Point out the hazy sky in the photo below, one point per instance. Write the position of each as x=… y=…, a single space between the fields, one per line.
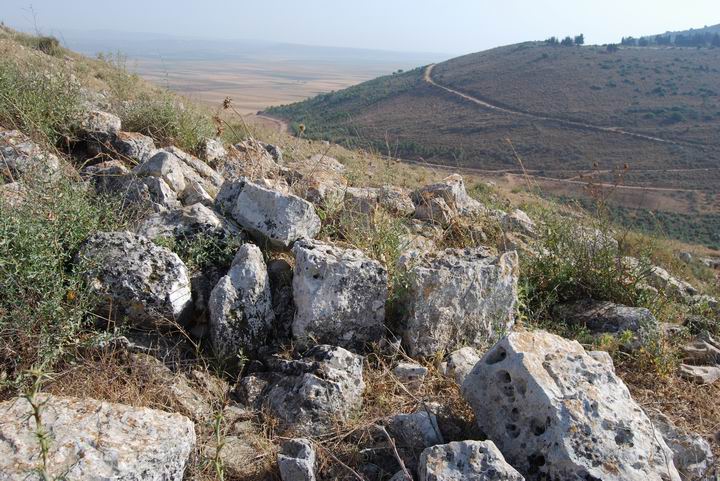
x=450 y=26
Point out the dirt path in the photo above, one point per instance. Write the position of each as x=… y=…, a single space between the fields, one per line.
x=281 y=125
x=569 y=123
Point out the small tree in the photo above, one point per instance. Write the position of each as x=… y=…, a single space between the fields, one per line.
x=552 y=41
x=612 y=48
x=643 y=42
x=580 y=39
x=567 y=42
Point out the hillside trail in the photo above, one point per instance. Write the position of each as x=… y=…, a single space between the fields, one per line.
x=427 y=77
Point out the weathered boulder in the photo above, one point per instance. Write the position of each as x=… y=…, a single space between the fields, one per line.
x=21 y=158
x=190 y=178
x=457 y=298
x=213 y=150
x=296 y=460
x=94 y=441
x=241 y=313
x=692 y=455
x=186 y=223
x=452 y=191
x=107 y=177
x=518 y=221
x=555 y=412
x=274 y=151
x=100 y=125
x=410 y=372
x=673 y=287
x=149 y=191
x=461 y=362
x=140 y=280
x=466 y=461
x=339 y=295
x=603 y=317
x=311 y=394
x=414 y=432
x=700 y=374
x=396 y=200
x=280 y=219
x=134 y=146
x=362 y=200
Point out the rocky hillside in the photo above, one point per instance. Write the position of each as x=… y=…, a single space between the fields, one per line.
x=193 y=299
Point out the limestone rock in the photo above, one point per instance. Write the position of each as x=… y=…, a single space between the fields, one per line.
x=452 y=191
x=94 y=441
x=241 y=314
x=362 y=200
x=396 y=200
x=100 y=125
x=673 y=287
x=603 y=317
x=133 y=145
x=311 y=394
x=700 y=374
x=296 y=460
x=21 y=158
x=466 y=461
x=518 y=221
x=248 y=159
x=414 y=432
x=410 y=372
x=692 y=455
x=278 y=218
x=702 y=351
x=107 y=177
x=339 y=294
x=457 y=298
x=461 y=363
x=186 y=223
x=213 y=150
x=140 y=280
x=557 y=413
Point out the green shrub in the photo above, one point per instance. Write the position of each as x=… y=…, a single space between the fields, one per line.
x=203 y=250
x=45 y=305
x=168 y=120
x=45 y=104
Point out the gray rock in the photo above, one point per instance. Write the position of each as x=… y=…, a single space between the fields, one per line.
x=466 y=461
x=461 y=362
x=94 y=441
x=692 y=455
x=410 y=372
x=557 y=413
x=108 y=177
x=277 y=218
x=362 y=200
x=311 y=395
x=152 y=191
x=416 y=431
x=186 y=223
x=702 y=351
x=457 y=298
x=134 y=146
x=140 y=280
x=435 y=210
x=339 y=294
x=274 y=151
x=700 y=374
x=21 y=158
x=396 y=200
x=603 y=317
x=281 y=277
x=100 y=125
x=213 y=150
x=241 y=314
x=452 y=191
x=248 y=159
x=296 y=460
x=518 y=221
x=671 y=286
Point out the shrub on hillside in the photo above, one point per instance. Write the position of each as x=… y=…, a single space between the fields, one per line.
x=45 y=104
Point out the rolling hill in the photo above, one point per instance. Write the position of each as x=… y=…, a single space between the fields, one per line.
x=647 y=119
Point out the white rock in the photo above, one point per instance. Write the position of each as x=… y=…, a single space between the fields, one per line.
x=21 y=158
x=700 y=374
x=324 y=388
x=557 y=413
x=692 y=455
x=415 y=431
x=452 y=191
x=466 y=461
x=339 y=294
x=139 y=279
x=98 y=123
x=94 y=441
x=186 y=223
x=409 y=372
x=396 y=200
x=134 y=146
x=461 y=362
x=241 y=313
x=280 y=219
x=457 y=298
x=213 y=150
x=296 y=460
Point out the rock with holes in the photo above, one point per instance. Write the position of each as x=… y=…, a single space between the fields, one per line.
x=280 y=219
x=21 y=158
x=187 y=223
x=451 y=191
x=466 y=461
x=555 y=412
x=296 y=460
x=241 y=311
x=339 y=294
x=140 y=281
x=692 y=455
x=134 y=146
x=603 y=317
x=94 y=441
x=314 y=393
x=457 y=298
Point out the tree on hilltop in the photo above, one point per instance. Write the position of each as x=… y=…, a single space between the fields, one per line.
x=567 y=42
x=552 y=41
x=580 y=39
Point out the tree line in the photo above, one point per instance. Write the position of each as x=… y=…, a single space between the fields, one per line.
x=701 y=39
x=567 y=41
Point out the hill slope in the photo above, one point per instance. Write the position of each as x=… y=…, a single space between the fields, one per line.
x=567 y=112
